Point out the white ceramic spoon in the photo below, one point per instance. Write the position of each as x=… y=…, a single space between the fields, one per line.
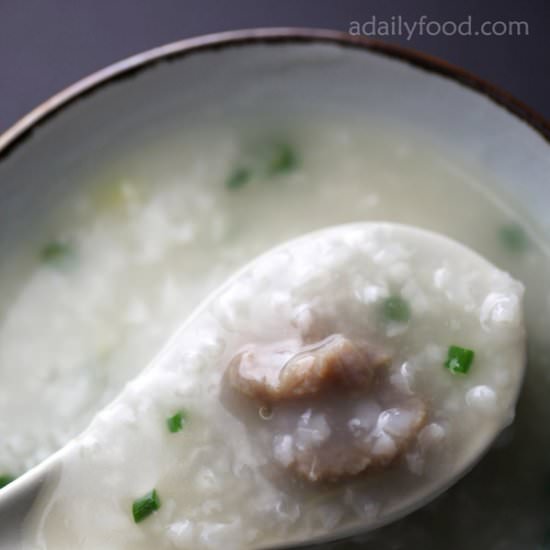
x=68 y=498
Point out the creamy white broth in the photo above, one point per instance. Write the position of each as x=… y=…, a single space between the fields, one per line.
x=177 y=231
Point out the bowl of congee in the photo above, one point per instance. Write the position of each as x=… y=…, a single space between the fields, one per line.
x=275 y=288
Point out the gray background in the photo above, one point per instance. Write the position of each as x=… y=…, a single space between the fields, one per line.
x=48 y=44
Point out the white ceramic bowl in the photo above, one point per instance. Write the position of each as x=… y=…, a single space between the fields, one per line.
x=247 y=72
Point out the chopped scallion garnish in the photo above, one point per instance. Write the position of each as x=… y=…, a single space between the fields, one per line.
x=396 y=309
x=175 y=422
x=271 y=159
x=283 y=159
x=143 y=507
x=514 y=237
x=6 y=479
x=56 y=252
x=239 y=177
x=459 y=360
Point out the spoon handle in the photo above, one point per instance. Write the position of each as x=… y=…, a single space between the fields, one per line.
x=17 y=499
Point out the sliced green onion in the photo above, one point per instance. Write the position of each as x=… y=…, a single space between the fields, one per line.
x=396 y=309
x=6 y=479
x=514 y=237
x=175 y=423
x=271 y=160
x=282 y=160
x=459 y=360
x=238 y=178
x=143 y=507
x=56 y=252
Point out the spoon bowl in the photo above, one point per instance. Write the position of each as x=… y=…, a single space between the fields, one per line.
x=404 y=302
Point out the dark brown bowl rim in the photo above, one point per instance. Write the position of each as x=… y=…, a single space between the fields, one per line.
x=23 y=129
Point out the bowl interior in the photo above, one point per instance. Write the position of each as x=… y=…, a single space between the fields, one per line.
x=259 y=81
x=248 y=80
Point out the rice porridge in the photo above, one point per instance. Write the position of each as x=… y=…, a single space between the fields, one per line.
x=129 y=256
